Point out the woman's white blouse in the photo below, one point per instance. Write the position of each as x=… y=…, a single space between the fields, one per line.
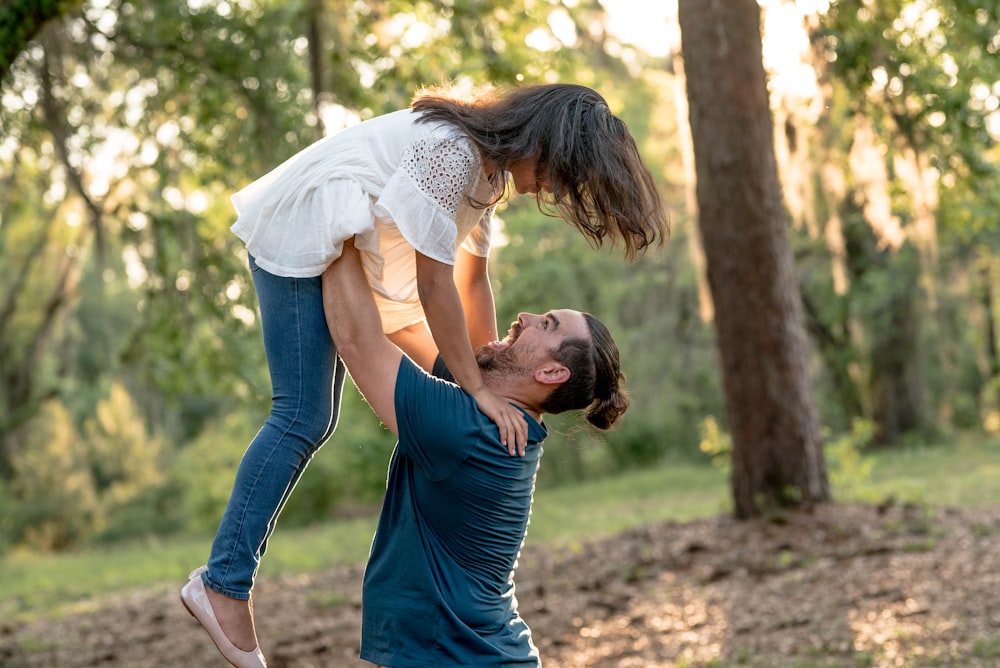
x=391 y=182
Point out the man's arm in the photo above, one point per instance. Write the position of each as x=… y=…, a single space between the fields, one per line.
x=356 y=329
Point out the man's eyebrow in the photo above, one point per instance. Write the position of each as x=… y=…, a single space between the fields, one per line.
x=555 y=320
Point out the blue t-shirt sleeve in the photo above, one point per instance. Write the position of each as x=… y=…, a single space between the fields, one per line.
x=438 y=422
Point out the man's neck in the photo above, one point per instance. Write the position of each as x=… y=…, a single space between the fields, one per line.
x=514 y=393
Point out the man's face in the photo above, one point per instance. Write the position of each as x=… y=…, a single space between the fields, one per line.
x=531 y=340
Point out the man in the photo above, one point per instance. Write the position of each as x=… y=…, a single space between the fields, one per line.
x=438 y=588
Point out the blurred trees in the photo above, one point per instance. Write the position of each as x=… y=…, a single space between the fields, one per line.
x=129 y=323
x=125 y=128
x=892 y=163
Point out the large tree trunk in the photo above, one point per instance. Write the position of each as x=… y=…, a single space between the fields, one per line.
x=777 y=452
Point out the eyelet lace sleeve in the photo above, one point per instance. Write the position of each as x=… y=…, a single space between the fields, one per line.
x=442 y=169
x=435 y=197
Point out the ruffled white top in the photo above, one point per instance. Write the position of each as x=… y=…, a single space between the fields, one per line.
x=392 y=183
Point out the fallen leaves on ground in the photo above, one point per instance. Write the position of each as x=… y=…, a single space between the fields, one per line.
x=840 y=586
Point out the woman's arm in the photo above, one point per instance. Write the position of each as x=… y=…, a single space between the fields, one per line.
x=473 y=282
x=446 y=318
x=415 y=340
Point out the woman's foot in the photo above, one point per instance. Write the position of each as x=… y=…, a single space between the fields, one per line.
x=237 y=615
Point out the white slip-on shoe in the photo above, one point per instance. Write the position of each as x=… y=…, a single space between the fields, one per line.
x=195 y=599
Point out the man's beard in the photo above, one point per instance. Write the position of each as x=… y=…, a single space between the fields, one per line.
x=505 y=363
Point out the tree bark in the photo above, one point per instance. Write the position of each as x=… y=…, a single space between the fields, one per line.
x=988 y=296
x=777 y=452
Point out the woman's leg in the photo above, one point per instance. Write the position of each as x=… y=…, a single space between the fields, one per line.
x=307 y=379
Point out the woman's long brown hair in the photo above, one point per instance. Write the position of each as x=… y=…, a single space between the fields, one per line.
x=598 y=180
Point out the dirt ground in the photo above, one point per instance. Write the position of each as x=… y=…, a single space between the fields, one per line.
x=840 y=586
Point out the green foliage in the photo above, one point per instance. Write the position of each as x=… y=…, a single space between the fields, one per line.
x=986 y=648
x=849 y=468
x=916 y=64
x=895 y=336
x=96 y=482
x=55 y=502
x=20 y=21
x=348 y=471
x=126 y=128
x=204 y=469
x=716 y=443
x=131 y=364
x=126 y=465
x=642 y=442
x=989 y=405
x=959 y=471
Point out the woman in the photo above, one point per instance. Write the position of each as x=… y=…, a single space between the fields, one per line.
x=416 y=190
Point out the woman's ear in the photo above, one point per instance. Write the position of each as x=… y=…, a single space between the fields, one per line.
x=552 y=374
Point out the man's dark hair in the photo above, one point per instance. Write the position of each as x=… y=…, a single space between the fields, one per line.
x=596 y=379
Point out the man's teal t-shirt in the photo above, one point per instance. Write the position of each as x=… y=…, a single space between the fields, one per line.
x=439 y=588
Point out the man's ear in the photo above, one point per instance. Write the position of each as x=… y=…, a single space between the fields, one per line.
x=552 y=374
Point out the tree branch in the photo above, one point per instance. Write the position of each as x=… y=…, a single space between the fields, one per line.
x=22 y=20
x=53 y=114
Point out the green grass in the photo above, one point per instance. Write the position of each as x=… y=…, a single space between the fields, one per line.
x=32 y=584
x=608 y=506
x=960 y=474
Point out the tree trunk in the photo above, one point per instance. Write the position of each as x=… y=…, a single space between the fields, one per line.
x=777 y=452
x=319 y=63
x=696 y=248
x=988 y=296
x=896 y=370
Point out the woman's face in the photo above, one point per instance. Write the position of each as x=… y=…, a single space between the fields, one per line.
x=526 y=182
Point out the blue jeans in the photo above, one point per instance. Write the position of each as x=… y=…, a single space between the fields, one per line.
x=307 y=379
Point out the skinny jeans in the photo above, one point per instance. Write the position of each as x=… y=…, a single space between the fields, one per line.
x=307 y=380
